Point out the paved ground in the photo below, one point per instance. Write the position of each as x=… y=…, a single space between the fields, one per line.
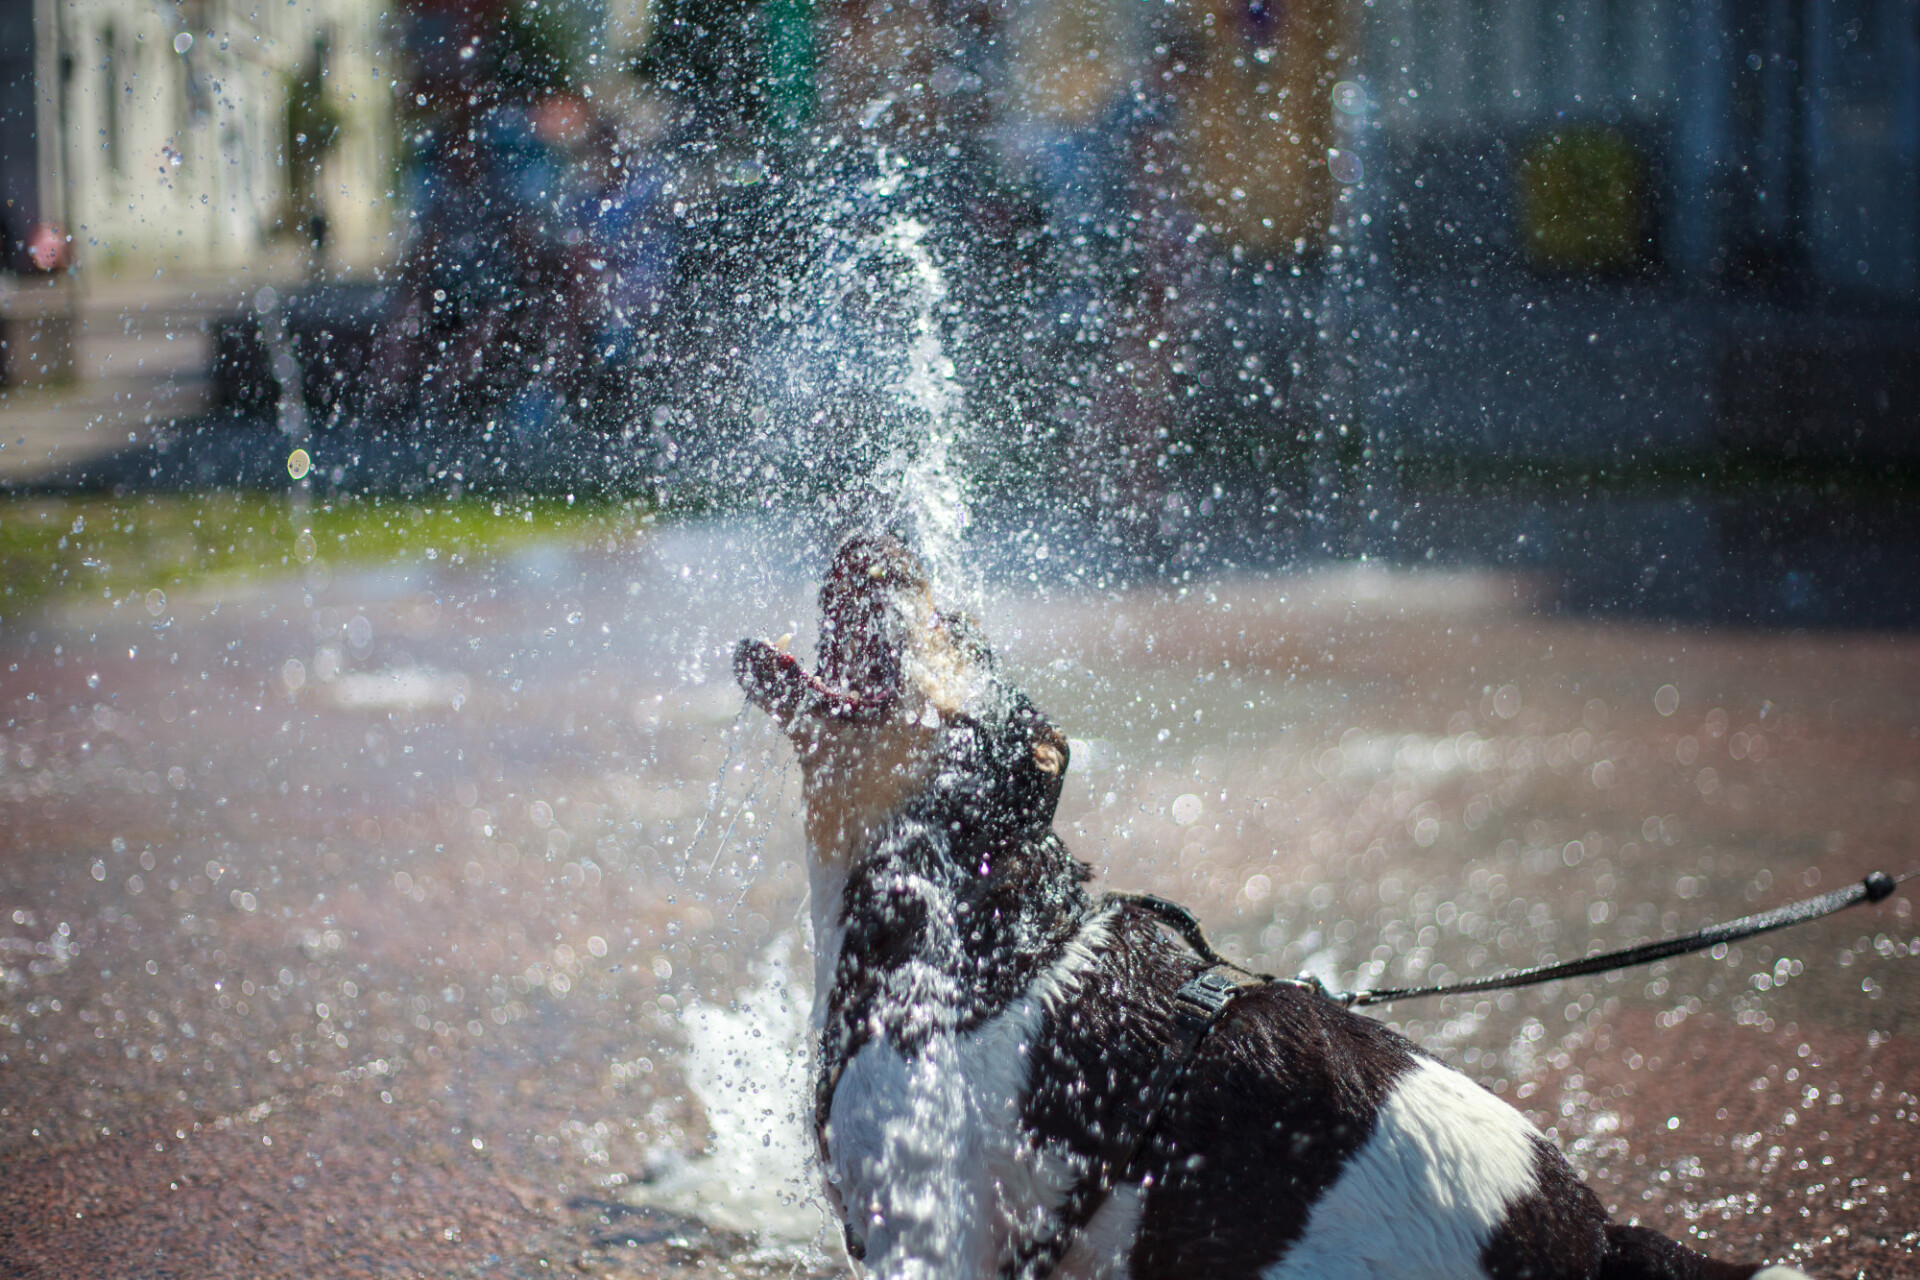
x=352 y=926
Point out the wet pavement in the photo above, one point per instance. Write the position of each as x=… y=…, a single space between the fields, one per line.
x=361 y=924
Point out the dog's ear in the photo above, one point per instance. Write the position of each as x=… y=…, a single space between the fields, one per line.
x=1039 y=766
x=1050 y=753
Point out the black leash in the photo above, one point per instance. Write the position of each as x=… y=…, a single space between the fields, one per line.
x=1203 y=1000
x=1877 y=887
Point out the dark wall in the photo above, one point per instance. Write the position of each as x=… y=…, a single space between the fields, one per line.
x=19 y=185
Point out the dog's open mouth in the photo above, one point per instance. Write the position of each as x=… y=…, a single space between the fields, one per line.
x=904 y=694
x=875 y=601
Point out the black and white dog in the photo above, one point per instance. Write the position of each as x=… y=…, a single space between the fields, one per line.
x=989 y=1032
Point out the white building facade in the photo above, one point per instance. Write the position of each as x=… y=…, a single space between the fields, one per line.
x=166 y=136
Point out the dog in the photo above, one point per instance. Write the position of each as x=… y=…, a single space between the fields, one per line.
x=1008 y=1083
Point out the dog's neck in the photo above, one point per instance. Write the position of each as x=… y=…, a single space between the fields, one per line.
x=856 y=778
x=931 y=925
x=930 y=785
x=826 y=895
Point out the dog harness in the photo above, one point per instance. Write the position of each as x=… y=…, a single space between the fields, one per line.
x=1199 y=1005
x=1203 y=1001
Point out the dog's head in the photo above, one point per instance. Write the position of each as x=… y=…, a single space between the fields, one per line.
x=905 y=711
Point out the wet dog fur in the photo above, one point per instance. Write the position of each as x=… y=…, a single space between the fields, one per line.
x=984 y=1022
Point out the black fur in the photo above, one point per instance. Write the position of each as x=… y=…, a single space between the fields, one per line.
x=963 y=899
x=1561 y=1229
x=1286 y=1090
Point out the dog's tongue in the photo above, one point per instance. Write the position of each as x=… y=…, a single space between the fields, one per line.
x=864 y=631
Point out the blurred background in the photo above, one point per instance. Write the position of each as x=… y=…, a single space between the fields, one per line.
x=1452 y=467
x=1624 y=290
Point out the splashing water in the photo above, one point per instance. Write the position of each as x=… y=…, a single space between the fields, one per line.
x=920 y=470
x=748 y=1066
x=856 y=395
x=863 y=385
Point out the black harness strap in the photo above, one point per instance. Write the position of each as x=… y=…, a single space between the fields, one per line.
x=1198 y=1006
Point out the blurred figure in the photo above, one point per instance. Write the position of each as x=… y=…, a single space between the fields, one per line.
x=1152 y=287
x=912 y=77
x=1255 y=117
x=541 y=249
x=625 y=218
x=1077 y=78
x=1091 y=128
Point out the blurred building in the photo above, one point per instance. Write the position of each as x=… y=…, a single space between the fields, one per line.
x=205 y=135
x=1234 y=91
x=1744 y=142
x=1768 y=143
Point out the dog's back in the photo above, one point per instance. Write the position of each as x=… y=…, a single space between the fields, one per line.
x=1308 y=1141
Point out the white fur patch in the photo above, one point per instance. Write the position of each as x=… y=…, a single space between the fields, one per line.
x=928 y=1155
x=998 y=1060
x=1060 y=980
x=1103 y=1248
x=826 y=884
x=1425 y=1193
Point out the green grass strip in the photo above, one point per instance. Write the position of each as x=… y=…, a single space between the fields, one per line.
x=57 y=549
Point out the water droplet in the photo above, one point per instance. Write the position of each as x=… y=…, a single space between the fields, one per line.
x=1506 y=701
x=183 y=42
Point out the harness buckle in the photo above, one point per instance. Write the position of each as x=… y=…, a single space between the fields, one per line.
x=1202 y=998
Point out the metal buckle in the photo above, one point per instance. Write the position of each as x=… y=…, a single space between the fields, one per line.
x=1202 y=998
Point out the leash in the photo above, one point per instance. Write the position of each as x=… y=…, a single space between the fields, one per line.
x=1201 y=1003
x=1876 y=887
